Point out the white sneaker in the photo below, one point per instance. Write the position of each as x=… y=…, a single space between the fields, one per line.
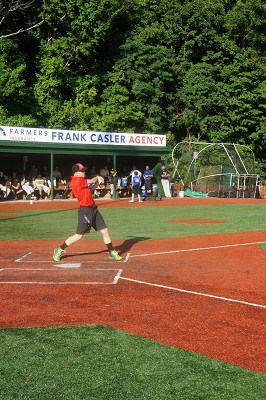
x=140 y=201
x=131 y=201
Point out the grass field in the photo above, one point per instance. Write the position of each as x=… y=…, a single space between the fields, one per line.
x=94 y=362
x=99 y=362
x=136 y=222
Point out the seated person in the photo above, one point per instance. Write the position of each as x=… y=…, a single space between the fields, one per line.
x=26 y=187
x=5 y=190
x=41 y=185
x=124 y=184
x=100 y=185
x=15 y=187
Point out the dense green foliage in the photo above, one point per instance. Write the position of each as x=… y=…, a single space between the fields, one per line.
x=100 y=363
x=192 y=69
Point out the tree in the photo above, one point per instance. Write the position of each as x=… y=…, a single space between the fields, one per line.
x=245 y=23
x=16 y=99
x=78 y=48
x=141 y=85
x=13 y=14
x=189 y=68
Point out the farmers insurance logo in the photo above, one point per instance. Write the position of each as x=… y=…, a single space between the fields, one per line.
x=2 y=132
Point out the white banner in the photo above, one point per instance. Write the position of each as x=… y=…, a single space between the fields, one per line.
x=60 y=136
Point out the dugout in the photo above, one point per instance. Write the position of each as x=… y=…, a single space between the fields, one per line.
x=20 y=146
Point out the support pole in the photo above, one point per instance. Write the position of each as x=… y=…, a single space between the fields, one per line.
x=115 y=177
x=52 y=175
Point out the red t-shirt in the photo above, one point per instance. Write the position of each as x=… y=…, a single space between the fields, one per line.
x=81 y=191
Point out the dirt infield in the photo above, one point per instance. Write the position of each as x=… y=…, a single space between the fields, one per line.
x=204 y=294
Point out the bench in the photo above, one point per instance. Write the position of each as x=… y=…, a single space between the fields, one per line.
x=63 y=191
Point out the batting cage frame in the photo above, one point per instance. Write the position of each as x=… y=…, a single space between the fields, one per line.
x=215 y=169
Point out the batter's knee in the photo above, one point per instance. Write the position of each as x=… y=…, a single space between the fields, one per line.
x=104 y=231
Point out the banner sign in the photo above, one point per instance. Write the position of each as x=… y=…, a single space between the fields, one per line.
x=60 y=136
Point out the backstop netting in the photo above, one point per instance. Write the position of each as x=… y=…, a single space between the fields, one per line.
x=216 y=169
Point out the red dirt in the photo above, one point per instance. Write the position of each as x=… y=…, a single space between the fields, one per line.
x=6 y=215
x=150 y=298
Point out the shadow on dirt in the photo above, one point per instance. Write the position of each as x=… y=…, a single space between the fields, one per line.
x=123 y=248
x=126 y=246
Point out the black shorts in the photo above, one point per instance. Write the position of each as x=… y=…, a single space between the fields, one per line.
x=148 y=185
x=136 y=189
x=89 y=217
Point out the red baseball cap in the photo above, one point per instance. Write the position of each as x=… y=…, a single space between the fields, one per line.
x=78 y=168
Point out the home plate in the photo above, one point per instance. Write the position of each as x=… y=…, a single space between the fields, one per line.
x=68 y=265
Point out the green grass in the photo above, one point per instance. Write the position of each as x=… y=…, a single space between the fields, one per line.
x=125 y=223
x=99 y=363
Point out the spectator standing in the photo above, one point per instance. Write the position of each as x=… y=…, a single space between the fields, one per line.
x=132 y=172
x=148 y=175
x=113 y=182
x=104 y=172
x=165 y=181
x=136 y=187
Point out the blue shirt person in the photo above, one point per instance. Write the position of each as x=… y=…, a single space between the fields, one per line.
x=136 y=186
x=148 y=175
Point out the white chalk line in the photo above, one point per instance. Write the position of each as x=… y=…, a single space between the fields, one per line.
x=114 y=282
x=22 y=259
x=55 y=283
x=24 y=256
x=68 y=265
x=117 y=277
x=194 y=293
x=127 y=257
x=52 y=269
x=50 y=261
x=195 y=249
